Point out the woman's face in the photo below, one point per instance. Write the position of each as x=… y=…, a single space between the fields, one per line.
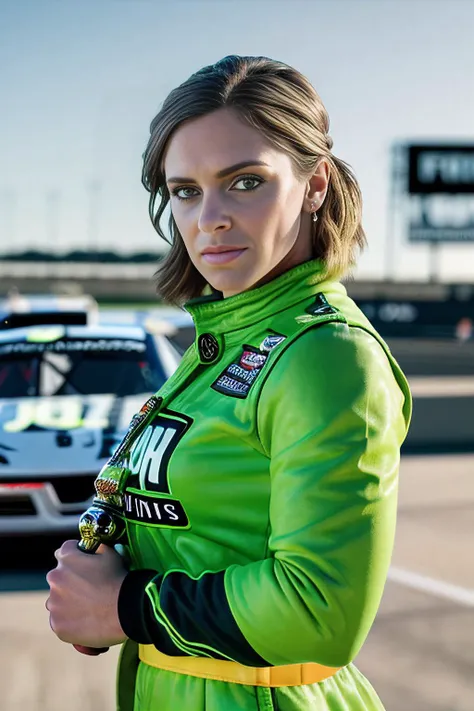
x=242 y=213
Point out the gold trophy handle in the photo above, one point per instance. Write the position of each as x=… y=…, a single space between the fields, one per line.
x=101 y=523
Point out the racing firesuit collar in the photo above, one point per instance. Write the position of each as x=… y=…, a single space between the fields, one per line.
x=214 y=314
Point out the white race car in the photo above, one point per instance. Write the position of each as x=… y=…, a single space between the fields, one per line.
x=67 y=395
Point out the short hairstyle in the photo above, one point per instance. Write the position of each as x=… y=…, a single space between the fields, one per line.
x=283 y=105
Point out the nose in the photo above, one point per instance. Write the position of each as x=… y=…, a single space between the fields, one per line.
x=212 y=216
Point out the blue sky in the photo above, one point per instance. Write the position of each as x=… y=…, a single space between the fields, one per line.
x=80 y=82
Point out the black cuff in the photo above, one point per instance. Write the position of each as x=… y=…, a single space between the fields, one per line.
x=132 y=605
x=197 y=608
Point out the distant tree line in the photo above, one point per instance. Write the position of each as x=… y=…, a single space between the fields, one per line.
x=33 y=255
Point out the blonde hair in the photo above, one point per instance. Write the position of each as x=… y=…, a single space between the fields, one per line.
x=283 y=105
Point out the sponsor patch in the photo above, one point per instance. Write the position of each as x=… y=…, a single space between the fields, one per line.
x=150 y=457
x=244 y=374
x=251 y=359
x=237 y=379
x=270 y=342
x=154 y=510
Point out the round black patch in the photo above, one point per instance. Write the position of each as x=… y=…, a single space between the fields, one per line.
x=208 y=347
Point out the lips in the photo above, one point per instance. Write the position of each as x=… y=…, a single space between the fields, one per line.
x=221 y=255
x=218 y=248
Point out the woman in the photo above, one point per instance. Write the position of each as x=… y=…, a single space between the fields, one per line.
x=261 y=500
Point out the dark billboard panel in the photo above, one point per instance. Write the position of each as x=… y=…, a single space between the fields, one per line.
x=441 y=169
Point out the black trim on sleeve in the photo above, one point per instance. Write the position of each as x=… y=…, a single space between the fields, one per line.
x=136 y=612
x=132 y=605
x=199 y=610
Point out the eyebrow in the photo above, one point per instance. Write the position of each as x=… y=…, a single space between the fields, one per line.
x=222 y=173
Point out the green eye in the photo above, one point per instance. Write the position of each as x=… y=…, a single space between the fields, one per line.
x=245 y=180
x=176 y=192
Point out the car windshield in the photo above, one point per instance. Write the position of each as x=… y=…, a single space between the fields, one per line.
x=121 y=367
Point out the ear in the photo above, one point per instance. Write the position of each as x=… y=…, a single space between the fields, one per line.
x=317 y=187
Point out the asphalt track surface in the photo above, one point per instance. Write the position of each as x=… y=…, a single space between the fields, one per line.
x=419 y=655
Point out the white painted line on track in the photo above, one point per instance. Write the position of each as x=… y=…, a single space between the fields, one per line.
x=437 y=588
x=449 y=386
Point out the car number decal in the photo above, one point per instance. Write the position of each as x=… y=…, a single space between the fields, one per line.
x=57 y=413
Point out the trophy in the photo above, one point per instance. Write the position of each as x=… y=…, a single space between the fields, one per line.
x=103 y=522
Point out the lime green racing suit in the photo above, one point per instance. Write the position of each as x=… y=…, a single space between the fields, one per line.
x=261 y=504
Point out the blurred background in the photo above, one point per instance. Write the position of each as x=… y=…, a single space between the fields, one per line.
x=79 y=85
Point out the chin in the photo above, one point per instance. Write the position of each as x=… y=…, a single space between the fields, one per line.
x=230 y=287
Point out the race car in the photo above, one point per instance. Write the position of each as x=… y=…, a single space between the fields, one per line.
x=67 y=395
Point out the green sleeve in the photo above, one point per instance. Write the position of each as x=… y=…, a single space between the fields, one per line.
x=331 y=419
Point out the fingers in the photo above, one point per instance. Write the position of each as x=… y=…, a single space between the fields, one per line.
x=55 y=580
x=53 y=577
x=50 y=607
x=67 y=548
x=51 y=624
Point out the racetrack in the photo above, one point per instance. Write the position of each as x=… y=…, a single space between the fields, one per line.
x=420 y=652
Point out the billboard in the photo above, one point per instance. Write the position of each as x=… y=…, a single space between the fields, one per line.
x=421 y=318
x=441 y=169
x=441 y=193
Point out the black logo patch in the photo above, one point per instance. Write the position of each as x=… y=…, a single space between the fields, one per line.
x=148 y=497
x=208 y=347
x=154 y=510
x=151 y=455
x=237 y=379
x=320 y=306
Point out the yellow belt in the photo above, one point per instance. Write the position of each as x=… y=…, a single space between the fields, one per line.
x=221 y=670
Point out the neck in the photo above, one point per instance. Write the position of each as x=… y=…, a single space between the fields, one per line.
x=298 y=254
